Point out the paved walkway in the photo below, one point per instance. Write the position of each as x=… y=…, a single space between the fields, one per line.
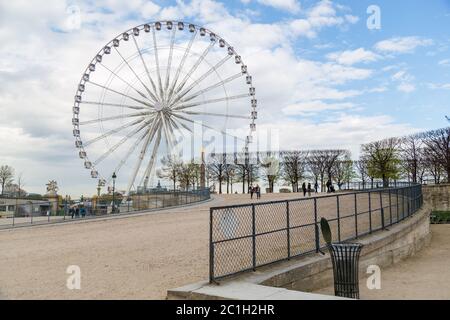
x=423 y=276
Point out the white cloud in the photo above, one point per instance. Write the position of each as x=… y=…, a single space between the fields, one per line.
x=404 y=80
x=313 y=107
x=442 y=86
x=402 y=44
x=288 y=5
x=344 y=131
x=351 y=57
x=406 y=87
x=444 y=62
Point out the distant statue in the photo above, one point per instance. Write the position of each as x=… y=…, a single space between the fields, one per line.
x=52 y=187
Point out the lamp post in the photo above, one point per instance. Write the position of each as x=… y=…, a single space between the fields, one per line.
x=114 y=191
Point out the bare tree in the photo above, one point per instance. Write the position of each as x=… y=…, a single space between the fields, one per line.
x=6 y=176
x=411 y=147
x=230 y=172
x=317 y=166
x=293 y=167
x=343 y=170
x=383 y=159
x=171 y=169
x=270 y=167
x=21 y=185
x=363 y=170
x=321 y=162
x=433 y=165
x=216 y=168
x=438 y=144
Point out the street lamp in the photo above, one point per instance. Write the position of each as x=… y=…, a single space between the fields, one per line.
x=113 y=191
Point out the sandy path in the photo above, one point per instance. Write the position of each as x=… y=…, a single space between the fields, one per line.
x=135 y=257
x=423 y=276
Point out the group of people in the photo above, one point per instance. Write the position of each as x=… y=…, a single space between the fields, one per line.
x=255 y=189
x=308 y=189
x=77 y=211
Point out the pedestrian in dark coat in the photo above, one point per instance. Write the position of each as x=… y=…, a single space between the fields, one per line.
x=304 y=189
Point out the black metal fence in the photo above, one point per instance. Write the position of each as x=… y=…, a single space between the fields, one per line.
x=244 y=237
x=16 y=212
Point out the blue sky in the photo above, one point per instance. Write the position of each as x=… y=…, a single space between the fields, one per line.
x=323 y=79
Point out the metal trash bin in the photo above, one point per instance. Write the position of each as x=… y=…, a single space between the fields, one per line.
x=345 y=259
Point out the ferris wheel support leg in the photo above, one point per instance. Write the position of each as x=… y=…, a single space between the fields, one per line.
x=151 y=132
x=151 y=163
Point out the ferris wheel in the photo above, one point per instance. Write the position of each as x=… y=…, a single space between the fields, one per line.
x=149 y=82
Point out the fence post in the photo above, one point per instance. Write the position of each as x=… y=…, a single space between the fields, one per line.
x=382 y=211
x=16 y=209
x=356 y=217
x=288 y=230
x=370 y=214
x=31 y=212
x=338 y=218
x=316 y=227
x=398 y=208
x=390 y=208
x=211 y=247
x=408 y=197
x=254 y=236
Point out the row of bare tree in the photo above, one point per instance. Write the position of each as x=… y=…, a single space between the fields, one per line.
x=416 y=157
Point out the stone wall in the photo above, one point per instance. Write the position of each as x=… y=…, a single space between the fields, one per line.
x=437 y=196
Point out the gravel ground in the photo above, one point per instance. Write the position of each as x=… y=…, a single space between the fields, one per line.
x=133 y=257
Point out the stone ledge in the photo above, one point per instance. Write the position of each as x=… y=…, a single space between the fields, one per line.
x=314 y=271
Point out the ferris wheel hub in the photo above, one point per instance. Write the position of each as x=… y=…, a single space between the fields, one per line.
x=159 y=106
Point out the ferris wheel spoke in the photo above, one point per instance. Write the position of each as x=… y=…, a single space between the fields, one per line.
x=131 y=115
x=135 y=74
x=203 y=77
x=129 y=152
x=216 y=85
x=204 y=125
x=216 y=114
x=151 y=133
x=194 y=67
x=176 y=123
x=158 y=71
x=122 y=94
x=181 y=65
x=118 y=144
x=126 y=82
x=146 y=71
x=168 y=135
x=110 y=132
x=114 y=105
x=151 y=162
x=169 y=61
x=185 y=106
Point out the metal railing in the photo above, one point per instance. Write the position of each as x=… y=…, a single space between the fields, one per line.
x=16 y=212
x=245 y=237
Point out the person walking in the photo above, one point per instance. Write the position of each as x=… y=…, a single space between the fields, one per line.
x=304 y=189
x=316 y=187
x=328 y=186
x=258 y=192
x=72 y=211
x=309 y=189
x=252 y=190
